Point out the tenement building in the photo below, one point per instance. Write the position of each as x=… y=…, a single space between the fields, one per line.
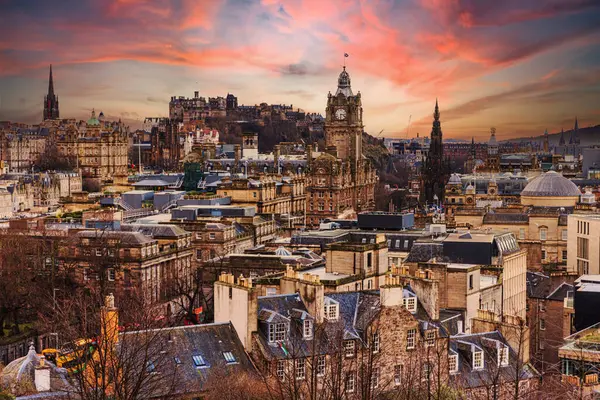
x=341 y=181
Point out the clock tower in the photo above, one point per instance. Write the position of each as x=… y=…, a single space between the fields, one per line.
x=343 y=121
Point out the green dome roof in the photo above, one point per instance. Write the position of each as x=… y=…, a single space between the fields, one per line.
x=93 y=120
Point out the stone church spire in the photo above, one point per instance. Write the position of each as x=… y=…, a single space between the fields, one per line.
x=51 y=100
x=435 y=171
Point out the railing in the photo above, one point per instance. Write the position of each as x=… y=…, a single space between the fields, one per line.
x=124 y=204
x=139 y=213
x=170 y=204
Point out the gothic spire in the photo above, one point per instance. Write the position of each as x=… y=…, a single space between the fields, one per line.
x=436 y=113
x=561 y=142
x=576 y=124
x=50 y=83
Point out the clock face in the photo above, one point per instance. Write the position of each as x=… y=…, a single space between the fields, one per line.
x=340 y=113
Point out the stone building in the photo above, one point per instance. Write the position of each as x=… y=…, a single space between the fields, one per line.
x=269 y=194
x=580 y=365
x=340 y=181
x=539 y=222
x=97 y=148
x=583 y=244
x=546 y=298
x=20 y=149
x=145 y=258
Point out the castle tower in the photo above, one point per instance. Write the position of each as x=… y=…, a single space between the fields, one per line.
x=51 y=100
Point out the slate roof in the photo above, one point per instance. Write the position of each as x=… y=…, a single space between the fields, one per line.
x=126 y=237
x=505 y=218
x=425 y=251
x=173 y=361
x=470 y=378
x=539 y=286
x=156 y=230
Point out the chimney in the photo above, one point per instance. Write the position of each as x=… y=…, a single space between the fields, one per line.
x=310 y=289
x=391 y=293
x=42 y=376
x=109 y=321
x=236 y=301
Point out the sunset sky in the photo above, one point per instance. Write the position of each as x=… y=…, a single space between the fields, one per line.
x=519 y=65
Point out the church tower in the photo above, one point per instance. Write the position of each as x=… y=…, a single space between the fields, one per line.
x=436 y=169
x=51 y=101
x=343 y=121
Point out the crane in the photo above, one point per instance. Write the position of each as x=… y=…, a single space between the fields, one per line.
x=380 y=132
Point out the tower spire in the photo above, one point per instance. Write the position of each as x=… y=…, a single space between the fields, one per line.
x=436 y=113
x=50 y=83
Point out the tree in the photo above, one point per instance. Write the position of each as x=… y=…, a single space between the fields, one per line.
x=117 y=352
x=51 y=159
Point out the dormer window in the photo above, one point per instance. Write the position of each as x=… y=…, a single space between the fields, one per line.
x=503 y=356
x=478 y=359
x=331 y=309
x=410 y=303
x=307 y=329
x=277 y=332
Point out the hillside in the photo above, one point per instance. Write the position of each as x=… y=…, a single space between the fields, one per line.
x=588 y=136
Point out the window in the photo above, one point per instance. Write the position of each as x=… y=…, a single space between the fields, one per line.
x=564 y=234
x=300 y=368
x=212 y=236
x=375 y=377
x=564 y=255
x=230 y=292
x=111 y=252
x=281 y=370
x=98 y=253
x=349 y=348
x=369 y=260
x=543 y=254
x=350 y=382
x=503 y=356
x=543 y=233
x=177 y=361
x=453 y=363
x=397 y=243
x=254 y=194
x=426 y=370
x=320 y=365
x=411 y=336
x=542 y=324
x=410 y=303
x=397 y=375
x=471 y=286
x=331 y=311
x=308 y=329
x=522 y=233
x=271 y=291
x=430 y=338
x=376 y=342
x=478 y=359
x=110 y=274
x=229 y=357
x=198 y=361
x=277 y=332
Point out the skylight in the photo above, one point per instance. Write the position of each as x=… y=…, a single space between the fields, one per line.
x=198 y=361
x=229 y=357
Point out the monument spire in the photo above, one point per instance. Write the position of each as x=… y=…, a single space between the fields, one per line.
x=51 y=100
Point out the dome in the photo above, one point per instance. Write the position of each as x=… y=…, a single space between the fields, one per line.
x=93 y=120
x=454 y=180
x=470 y=189
x=551 y=184
x=344 y=84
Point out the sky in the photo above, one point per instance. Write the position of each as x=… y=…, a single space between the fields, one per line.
x=521 y=66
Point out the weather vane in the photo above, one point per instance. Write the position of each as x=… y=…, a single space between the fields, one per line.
x=345 y=56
